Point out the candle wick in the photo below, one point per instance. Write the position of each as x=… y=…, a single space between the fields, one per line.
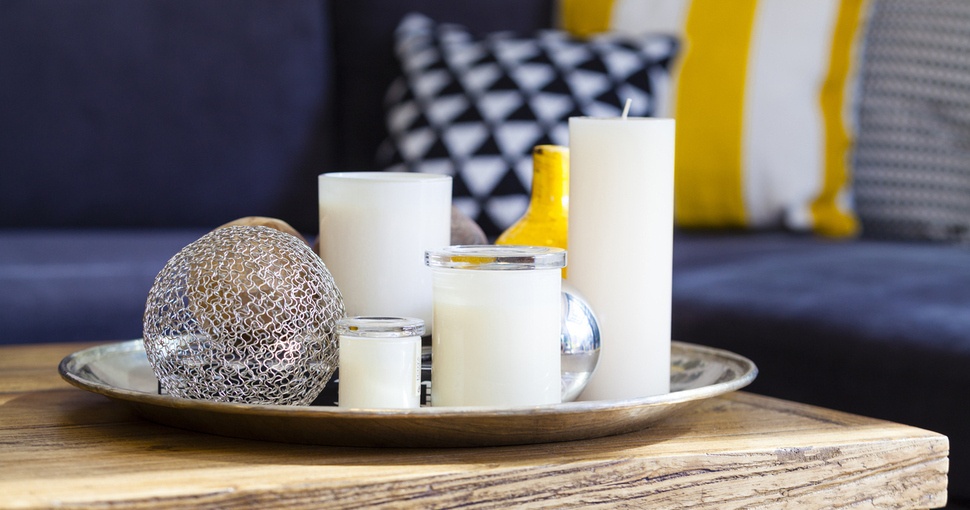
x=626 y=107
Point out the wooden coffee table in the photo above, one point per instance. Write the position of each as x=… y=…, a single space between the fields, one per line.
x=61 y=446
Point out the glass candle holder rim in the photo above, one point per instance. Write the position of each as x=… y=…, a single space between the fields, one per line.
x=380 y=327
x=390 y=177
x=496 y=257
x=636 y=119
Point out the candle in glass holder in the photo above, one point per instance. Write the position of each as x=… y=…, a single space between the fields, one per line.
x=621 y=247
x=497 y=325
x=380 y=362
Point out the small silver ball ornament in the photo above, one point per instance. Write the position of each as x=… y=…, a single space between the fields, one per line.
x=245 y=314
x=580 y=342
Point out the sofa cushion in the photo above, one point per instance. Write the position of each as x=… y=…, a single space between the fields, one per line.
x=763 y=92
x=912 y=161
x=474 y=108
x=80 y=285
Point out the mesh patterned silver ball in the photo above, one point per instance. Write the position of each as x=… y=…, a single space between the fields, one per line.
x=244 y=314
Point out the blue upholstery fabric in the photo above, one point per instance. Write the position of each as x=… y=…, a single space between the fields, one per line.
x=72 y=285
x=161 y=112
x=876 y=328
x=883 y=294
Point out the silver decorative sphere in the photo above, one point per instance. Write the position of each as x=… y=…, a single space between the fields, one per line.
x=580 y=342
x=244 y=314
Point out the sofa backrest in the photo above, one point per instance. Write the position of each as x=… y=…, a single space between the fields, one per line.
x=161 y=112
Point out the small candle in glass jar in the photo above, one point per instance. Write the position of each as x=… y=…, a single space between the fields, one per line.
x=380 y=362
x=497 y=325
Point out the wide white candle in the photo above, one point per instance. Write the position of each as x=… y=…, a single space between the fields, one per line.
x=374 y=230
x=497 y=326
x=380 y=362
x=620 y=247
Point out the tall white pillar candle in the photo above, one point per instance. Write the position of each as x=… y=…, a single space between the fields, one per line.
x=620 y=247
x=374 y=230
x=497 y=326
x=380 y=362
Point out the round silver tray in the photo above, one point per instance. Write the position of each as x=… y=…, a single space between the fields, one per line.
x=121 y=371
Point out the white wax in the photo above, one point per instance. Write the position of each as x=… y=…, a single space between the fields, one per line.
x=620 y=247
x=379 y=373
x=496 y=337
x=374 y=230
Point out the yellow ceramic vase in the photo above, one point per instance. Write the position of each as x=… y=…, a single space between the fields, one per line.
x=545 y=222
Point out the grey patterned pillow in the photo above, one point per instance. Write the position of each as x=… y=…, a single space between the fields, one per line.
x=912 y=159
x=474 y=108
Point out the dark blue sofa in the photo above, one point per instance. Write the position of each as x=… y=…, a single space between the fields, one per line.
x=128 y=129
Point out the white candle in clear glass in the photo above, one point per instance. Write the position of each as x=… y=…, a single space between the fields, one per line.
x=497 y=326
x=620 y=247
x=380 y=362
x=374 y=230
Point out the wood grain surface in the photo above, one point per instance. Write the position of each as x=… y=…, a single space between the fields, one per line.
x=61 y=446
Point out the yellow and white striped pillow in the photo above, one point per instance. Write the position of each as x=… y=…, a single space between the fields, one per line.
x=763 y=100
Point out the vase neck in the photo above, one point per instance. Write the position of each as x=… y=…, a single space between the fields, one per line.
x=550 y=182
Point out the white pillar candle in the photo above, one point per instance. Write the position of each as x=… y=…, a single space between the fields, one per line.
x=497 y=326
x=374 y=230
x=380 y=362
x=620 y=247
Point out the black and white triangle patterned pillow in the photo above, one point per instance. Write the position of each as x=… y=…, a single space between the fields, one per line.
x=474 y=108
